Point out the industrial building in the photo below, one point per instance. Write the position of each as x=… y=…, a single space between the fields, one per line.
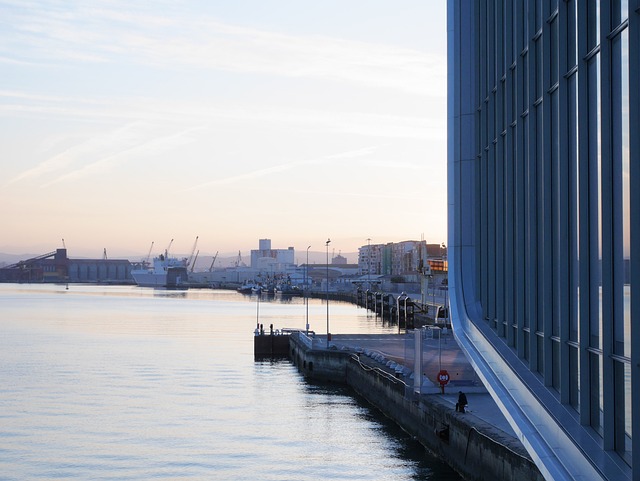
x=266 y=258
x=57 y=267
x=543 y=117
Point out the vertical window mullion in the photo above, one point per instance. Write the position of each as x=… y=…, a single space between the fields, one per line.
x=531 y=208
x=546 y=192
x=509 y=160
x=607 y=313
x=634 y=217
x=563 y=293
x=583 y=218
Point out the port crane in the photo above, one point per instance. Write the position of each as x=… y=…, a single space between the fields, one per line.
x=166 y=251
x=193 y=266
x=146 y=261
x=213 y=262
x=193 y=249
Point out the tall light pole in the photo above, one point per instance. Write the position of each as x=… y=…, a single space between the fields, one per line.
x=369 y=262
x=258 y=314
x=306 y=286
x=328 y=334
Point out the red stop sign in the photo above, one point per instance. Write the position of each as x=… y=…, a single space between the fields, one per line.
x=443 y=377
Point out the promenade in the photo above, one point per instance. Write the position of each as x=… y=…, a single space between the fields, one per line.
x=382 y=368
x=437 y=354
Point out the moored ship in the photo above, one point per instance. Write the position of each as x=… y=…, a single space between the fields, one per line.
x=166 y=271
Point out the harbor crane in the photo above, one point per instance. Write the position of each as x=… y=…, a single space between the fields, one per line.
x=213 y=262
x=193 y=266
x=193 y=249
x=104 y=255
x=166 y=251
x=149 y=254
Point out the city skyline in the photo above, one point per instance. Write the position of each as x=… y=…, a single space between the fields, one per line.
x=126 y=124
x=204 y=255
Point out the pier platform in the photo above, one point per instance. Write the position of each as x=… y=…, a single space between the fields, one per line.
x=478 y=443
x=437 y=354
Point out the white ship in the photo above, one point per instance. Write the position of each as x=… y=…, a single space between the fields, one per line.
x=166 y=271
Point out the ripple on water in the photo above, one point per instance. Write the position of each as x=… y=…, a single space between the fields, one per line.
x=118 y=383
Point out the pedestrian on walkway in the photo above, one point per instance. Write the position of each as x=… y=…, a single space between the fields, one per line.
x=462 y=402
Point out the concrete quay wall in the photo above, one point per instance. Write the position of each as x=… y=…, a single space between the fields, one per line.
x=319 y=364
x=474 y=448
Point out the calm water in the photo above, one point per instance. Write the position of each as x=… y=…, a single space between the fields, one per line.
x=130 y=383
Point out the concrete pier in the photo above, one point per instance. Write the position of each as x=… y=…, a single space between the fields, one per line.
x=478 y=444
x=271 y=343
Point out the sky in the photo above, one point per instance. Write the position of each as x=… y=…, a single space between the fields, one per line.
x=124 y=123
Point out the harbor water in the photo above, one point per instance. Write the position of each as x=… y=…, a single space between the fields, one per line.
x=120 y=382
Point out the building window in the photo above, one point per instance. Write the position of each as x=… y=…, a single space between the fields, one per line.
x=595 y=392
x=622 y=407
x=574 y=378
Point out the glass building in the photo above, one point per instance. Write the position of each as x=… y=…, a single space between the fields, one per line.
x=544 y=227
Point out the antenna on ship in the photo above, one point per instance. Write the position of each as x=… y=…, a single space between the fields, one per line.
x=166 y=251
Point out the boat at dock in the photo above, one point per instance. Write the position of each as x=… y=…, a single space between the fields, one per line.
x=288 y=289
x=247 y=287
x=168 y=272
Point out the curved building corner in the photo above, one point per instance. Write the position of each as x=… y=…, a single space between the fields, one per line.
x=543 y=147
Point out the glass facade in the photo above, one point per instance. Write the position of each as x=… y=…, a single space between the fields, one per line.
x=544 y=144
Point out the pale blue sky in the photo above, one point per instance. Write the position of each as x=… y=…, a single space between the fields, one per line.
x=123 y=123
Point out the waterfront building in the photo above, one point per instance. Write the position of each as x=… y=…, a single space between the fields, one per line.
x=370 y=259
x=57 y=267
x=544 y=284
x=341 y=274
x=407 y=257
x=398 y=258
x=266 y=258
x=339 y=259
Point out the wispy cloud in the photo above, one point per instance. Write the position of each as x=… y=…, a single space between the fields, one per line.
x=286 y=166
x=366 y=195
x=143 y=149
x=115 y=32
x=102 y=152
x=120 y=109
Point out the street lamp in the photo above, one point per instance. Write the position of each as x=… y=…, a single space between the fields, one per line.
x=369 y=262
x=258 y=313
x=433 y=295
x=328 y=334
x=306 y=286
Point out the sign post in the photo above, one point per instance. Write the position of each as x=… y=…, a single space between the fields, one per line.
x=443 y=379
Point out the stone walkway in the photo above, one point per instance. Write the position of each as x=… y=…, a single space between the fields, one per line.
x=437 y=354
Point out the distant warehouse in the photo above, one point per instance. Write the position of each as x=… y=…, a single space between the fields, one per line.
x=57 y=267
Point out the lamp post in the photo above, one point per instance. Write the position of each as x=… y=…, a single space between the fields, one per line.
x=433 y=295
x=258 y=313
x=328 y=334
x=440 y=349
x=369 y=262
x=306 y=286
